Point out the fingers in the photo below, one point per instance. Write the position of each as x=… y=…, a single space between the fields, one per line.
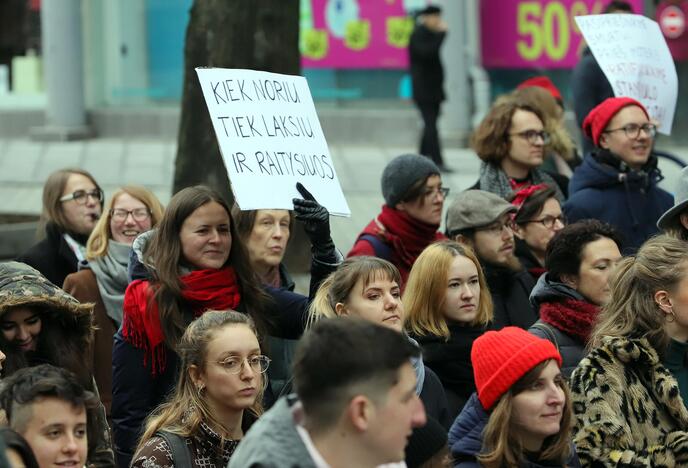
x=304 y=192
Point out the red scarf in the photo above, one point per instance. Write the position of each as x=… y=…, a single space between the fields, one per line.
x=573 y=317
x=201 y=289
x=408 y=236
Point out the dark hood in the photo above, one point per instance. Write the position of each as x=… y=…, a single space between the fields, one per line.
x=62 y=315
x=601 y=169
x=548 y=290
x=465 y=435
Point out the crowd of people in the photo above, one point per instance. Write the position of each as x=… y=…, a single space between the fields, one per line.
x=545 y=326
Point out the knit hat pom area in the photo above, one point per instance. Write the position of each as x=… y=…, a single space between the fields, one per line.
x=501 y=358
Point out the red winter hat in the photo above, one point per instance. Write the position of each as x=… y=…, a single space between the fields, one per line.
x=542 y=82
x=501 y=358
x=598 y=118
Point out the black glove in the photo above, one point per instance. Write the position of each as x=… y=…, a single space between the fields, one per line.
x=316 y=222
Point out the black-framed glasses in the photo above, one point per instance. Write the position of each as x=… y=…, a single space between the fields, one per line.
x=235 y=364
x=497 y=228
x=139 y=214
x=550 y=221
x=430 y=193
x=80 y=196
x=632 y=131
x=532 y=136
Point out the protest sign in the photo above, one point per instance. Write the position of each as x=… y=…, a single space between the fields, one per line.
x=270 y=138
x=634 y=57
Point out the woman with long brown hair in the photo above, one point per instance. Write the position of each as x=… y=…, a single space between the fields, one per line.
x=448 y=305
x=216 y=399
x=520 y=415
x=195 y=261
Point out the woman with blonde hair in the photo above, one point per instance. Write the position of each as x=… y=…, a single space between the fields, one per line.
x=217 y=397
x=520 y=415
x=131 y=211
x=630 y=392
x=448 y=305
x=368 y=288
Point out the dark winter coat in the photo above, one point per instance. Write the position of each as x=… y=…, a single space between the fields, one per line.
x=628 y=408
x=466 y=439
x=572 y=350
x=136 y=391
x=631 y=200
x=451 y=361
x=281 y=350
x=52 y=256
x=66 y=325
x=527 y=259
x=427 y=74
x=510 y=291
x=589 y=87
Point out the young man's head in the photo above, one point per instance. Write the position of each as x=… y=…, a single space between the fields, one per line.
x=47 y=406
x=622 y=126
x=355 y=378
x=483 y=220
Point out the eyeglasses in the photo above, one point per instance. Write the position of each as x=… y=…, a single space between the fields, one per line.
x=497 y=228
x=139 y=214
x=431 y=193
x=234 y=365
x=80 y=196
x=533 y=135
x=632 y=131
x=549 y=221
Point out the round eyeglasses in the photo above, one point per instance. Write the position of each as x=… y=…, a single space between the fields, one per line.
x=139 y=214
x=80 y=196
x=234 y=365
x=632 y=131
x=532 y=136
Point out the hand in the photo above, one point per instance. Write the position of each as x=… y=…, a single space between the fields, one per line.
x=315 y=219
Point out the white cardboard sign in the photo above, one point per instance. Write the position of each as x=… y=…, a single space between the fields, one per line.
x=635 y=58
x=270 y=138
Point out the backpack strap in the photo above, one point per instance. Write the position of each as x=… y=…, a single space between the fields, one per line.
x=551 y=336
x=381 y=248
x=181 y=455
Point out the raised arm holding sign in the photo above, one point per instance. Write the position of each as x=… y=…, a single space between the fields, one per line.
x=270 y=139
x=634 y=57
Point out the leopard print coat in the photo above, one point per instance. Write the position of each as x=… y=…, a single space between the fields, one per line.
x=628 y=409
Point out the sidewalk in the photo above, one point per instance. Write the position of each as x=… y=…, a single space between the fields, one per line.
x=24 y=166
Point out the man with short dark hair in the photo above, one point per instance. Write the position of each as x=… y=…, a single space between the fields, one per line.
x=483 y=221
x=355 y=402
x=47 y=406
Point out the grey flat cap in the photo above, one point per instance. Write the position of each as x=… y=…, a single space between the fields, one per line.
x=474 y=209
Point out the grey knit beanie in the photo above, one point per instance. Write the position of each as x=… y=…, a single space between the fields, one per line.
x=401 y=173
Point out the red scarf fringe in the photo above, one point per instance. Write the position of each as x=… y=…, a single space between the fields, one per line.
x=202 y=289
x=573 y=317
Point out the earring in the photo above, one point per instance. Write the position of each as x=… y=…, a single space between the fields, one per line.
x=200 y=389
x=670 y=314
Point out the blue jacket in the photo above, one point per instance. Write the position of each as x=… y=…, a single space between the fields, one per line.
x=629 y=200
x=466 y=438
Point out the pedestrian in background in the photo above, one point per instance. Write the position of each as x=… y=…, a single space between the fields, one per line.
x=427 y=78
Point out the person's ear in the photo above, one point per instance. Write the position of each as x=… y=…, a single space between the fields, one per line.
x=603 y=141
x=683 y=218
x=340 y=309
x=570 y=280
x=465 y=240
x=518 y=231
x=196 y=376
x=663 y=300
x=401 y=206
x=360 y=412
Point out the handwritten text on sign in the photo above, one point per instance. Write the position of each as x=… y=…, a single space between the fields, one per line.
x=270 y=138
x=634 y=57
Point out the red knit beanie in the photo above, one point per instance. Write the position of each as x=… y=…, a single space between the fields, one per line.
x=544 y=83
x=598 y=118
x=501 y=358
